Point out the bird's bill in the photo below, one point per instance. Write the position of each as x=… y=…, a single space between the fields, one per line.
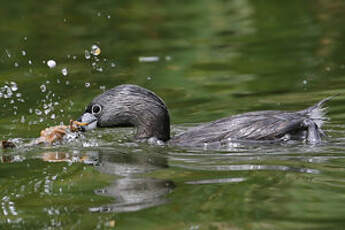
x=87 y=121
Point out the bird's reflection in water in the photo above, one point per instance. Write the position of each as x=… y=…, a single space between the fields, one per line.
x=133 y=193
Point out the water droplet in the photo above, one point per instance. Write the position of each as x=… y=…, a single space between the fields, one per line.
x=22 y=119
x=148 y=78
x=16 y=64
x=87 y=54
x=14 y=86
x=53 y=116
x=51 y=64
x=30 y=62
x=108 y=17
x=87 y=84
x=102 y=87
x=74 y=57
x=38 y=112
x=23 y=53
x=305 y=82
x=95 y=50
x=113 y=64
x=99 y=69
x=25 y=38
x=18 y=95
x=30 y=110
x=64 y=71
x=8 y=53
x=43 y=88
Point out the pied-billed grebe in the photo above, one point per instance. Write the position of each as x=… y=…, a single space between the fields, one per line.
x=131 y=105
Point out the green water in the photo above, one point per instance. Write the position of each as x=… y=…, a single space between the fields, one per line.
x=216 y=58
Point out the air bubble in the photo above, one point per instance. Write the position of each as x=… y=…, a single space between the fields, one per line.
x=87 y=84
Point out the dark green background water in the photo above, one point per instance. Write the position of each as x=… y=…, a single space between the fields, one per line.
x=216 y=58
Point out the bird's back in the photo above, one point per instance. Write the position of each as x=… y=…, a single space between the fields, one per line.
x=255 y=126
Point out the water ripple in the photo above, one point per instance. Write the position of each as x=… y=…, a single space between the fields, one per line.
x=249 y=167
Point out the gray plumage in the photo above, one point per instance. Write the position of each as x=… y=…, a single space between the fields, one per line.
x=135 y=106
x=127 y=105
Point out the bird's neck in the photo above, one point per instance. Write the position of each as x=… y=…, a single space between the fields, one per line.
x=153 y=124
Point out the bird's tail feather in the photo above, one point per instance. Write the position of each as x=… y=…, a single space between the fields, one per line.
x=318 y=112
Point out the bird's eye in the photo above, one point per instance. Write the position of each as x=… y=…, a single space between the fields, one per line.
x=96 y=109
